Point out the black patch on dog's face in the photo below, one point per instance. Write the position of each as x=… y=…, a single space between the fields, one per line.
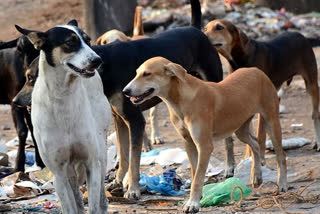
x=65 y=38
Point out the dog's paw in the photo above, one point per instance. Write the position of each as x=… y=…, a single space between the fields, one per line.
x=114 y=185
x=316 y=146
x=256 y=181
x=283 y=187
x=133 y=193
x=191 y=207
x=229 y=172
x=157 y=140
x=146 y=145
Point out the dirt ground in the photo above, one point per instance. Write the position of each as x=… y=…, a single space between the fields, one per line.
x=42 y=14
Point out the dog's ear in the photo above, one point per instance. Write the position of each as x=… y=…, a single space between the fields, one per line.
x=173 y=69
x=38 y=39
x=243 y=38
x=73 y=22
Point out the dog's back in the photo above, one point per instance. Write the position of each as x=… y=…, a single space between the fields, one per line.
x=187 y=46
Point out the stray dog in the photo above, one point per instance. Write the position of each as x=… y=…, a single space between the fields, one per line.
x=15 y=56
x=222 y=108
x=282 y=58
x=187 y=46
x=116 y=35
x=70 y=115
x=23 y=101
x=138 y=33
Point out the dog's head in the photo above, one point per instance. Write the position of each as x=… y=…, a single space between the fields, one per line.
x=153 y=78
x=112 y=36
x=24 y=48
x=224 y=36
x=23 y=98
x=67 y=46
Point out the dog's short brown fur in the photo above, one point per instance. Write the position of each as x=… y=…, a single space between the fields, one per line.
x=116 y=35
x=281 y=58
x=220 y=109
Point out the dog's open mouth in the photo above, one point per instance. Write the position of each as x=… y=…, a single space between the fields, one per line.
x=140 y=98
x=87 y=72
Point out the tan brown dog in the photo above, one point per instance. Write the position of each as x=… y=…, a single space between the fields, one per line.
x=116 y=35
x=281 y=58
x=220 y=109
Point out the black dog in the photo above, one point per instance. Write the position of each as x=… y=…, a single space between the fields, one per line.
x=15 y=57
x=187 y=46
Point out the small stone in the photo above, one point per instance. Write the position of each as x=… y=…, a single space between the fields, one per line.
x=6 y=127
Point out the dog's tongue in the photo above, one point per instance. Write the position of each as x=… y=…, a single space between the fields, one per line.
x=135 y=99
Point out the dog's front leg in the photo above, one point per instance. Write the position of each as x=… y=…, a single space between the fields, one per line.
x=155 y=130
x=37 y=155
x=123 y=147
x=67 y=188
x=230 y=162
x=18 y=115
x=191 y=148
x=203 y=142
x=98 y=203
x=136 y=124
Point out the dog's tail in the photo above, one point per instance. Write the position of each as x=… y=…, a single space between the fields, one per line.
x=10 y=44
x=195 y=13
x=314 y=42
x=137 y=24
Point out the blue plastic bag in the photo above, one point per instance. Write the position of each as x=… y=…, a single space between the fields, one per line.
x=166 y=184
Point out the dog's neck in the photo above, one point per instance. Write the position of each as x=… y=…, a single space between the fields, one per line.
x=59 y=82
x=239 y=54
x=178 y=93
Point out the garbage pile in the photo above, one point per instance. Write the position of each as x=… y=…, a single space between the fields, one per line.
x=257 y=22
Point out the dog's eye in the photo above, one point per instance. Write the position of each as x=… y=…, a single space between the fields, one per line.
x=145 y=74
x=219 y=27
x=30 y=77
x=72 y=40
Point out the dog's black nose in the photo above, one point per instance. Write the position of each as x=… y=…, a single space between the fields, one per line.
x=95 y=62
x=127 y=92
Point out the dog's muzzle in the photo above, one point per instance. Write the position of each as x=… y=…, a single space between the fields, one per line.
x=137 y=99
x=89 y=71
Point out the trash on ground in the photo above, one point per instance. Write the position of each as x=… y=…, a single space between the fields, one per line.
x=290 y=143
x=165 y=184
x=219 y=193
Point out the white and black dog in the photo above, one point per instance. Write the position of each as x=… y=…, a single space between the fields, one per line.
x=71 y=115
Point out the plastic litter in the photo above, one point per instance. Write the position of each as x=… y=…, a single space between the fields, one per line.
x=166 y=184
x=290 y=143
x=30 y=158
x=219 y=193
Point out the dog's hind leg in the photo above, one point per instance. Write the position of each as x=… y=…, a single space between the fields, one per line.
x=18 y=115
x=230 y=162
x=273 y=129
x=123 y=147
x=155 y=132
x=244 y=134
x=313 y=90
x=261 y=136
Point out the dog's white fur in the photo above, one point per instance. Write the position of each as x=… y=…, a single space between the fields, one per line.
x=71 y=115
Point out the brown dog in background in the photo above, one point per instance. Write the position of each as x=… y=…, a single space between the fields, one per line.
x=282 y=58
x=221 y=109
x=138 y=33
